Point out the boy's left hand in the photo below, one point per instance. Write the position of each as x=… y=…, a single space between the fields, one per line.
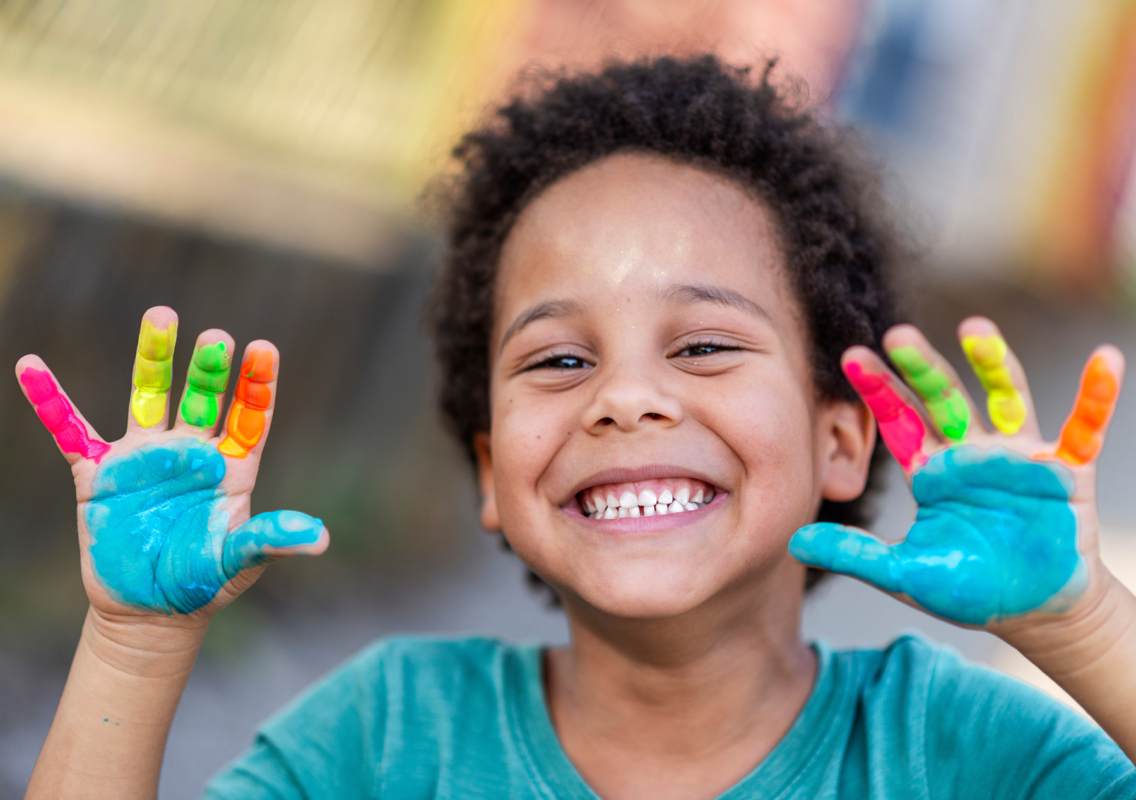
x=1006 y=536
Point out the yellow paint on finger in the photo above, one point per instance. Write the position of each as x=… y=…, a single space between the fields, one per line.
x=1005 y=404
x=153 y=373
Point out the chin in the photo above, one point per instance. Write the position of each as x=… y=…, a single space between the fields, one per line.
x=646 y=592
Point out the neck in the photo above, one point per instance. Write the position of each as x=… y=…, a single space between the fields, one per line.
x=730 y=674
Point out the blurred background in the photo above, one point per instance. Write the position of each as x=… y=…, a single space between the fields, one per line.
x=256 y=165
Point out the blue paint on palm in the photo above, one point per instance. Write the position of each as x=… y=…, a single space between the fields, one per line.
x=995 y=537
x=160 y=538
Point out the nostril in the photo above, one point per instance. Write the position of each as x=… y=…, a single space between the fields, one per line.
x=607 y=421
x=653 y=415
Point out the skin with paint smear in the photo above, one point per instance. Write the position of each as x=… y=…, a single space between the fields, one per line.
x=946 y=405
x=58 y=415
x=987 y=354
x=900 y=426
x=207 y=381
x=159 y=528
x=253 y=396
x=987 y=517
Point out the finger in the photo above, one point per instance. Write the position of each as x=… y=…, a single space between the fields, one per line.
x=1082 y=435
x=73 y=435
x=270 y=536
x=206 y=382
x=1008 y=401
x=153 y=369
x=901 y=426
x=933 y=379
x=849 y=551
x=251 y=411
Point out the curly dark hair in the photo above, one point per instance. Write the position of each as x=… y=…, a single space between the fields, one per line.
x=698 y=111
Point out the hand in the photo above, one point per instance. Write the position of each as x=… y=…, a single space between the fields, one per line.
x=1007 y=525
x=164 y=524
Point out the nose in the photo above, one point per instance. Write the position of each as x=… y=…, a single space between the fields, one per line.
x=629 y=399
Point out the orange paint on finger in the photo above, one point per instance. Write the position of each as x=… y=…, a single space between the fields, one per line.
x=1081 y=436
x=246 y=421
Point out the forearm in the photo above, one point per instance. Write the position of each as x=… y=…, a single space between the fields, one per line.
x=109 y=733
x=1093 y=658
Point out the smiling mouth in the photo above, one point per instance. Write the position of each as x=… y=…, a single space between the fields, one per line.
x=644 y=498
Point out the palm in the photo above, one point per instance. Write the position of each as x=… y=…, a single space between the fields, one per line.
x=1003 y=527
x=164 y=514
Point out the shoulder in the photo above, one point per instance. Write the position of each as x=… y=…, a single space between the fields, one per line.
x=968 y=728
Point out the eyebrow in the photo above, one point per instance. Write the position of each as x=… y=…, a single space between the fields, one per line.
x=688 y=294
x=550 y=309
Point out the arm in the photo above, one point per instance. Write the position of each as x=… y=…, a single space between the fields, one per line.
x=165 y=542
x=1006 y=537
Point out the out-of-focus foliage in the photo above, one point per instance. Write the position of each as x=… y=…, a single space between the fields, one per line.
x=306 y=123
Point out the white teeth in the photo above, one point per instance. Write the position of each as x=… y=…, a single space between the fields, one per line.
x=709 y=495
x=647 y=498
x=589 y=506
x=611 y=513
x=666 y=498
x=648 y=511
x=599 y=502
x=612 y=500
x=627 y=500
x=683 y=494
x=633 y=511
x=661 y=508
x=697 y=496
x=623 y=512
x=690 y=506
x=675 y=508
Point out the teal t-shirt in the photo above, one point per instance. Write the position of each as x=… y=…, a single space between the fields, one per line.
x=462 y=718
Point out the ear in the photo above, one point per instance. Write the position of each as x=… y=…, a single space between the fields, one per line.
x=490 y=519
x=847 y=438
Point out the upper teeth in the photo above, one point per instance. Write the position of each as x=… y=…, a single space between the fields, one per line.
x=645 y=498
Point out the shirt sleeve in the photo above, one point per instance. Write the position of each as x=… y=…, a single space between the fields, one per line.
x=323 y=745
x=989 y=735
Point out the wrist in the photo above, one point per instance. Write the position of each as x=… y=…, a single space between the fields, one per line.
x=1070 y=645
x=143 y=647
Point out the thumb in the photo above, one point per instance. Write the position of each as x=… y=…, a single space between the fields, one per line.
x=272 y=535
x=849 y=551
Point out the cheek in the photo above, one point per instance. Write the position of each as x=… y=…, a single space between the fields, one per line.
x=526 y=435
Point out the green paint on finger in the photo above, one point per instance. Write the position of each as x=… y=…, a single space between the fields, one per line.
x=208 y=379
x=945 y=403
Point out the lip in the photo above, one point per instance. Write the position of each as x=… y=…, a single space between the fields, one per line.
x=646 y=472
x=659 y=522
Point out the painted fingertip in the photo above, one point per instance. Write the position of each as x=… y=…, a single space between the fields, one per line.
x=1005 y=404
x=247 y=419
x=208 y=380
x=253 y=543
x=1082 y=434
x=900 y=426
x=945 y=403
x=58 y=416
x=153 y=371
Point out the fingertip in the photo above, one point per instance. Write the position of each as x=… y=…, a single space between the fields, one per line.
x=901 y=335
x=29 y=361
x=977 y=326
x=160 y=317
x=1113 y=358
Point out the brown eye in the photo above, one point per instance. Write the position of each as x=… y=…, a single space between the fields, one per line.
x=561 y=362
x=704 y=349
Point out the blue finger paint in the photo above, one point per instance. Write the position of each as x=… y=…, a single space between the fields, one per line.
x=159 y=532
x=995 y=537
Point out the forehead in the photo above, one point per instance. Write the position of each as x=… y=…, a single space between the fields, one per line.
x=634 y=222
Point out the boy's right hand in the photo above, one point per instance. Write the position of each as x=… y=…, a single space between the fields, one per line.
x=164 y=528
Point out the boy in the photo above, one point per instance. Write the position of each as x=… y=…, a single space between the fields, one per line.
x=658 y=279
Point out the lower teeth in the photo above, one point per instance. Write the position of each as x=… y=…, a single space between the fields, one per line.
x=641 y=511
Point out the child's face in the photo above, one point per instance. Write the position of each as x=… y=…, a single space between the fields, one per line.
x=646 y=338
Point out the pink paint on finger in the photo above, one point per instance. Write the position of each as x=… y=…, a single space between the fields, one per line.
x=901 y=427
x=58 y=415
